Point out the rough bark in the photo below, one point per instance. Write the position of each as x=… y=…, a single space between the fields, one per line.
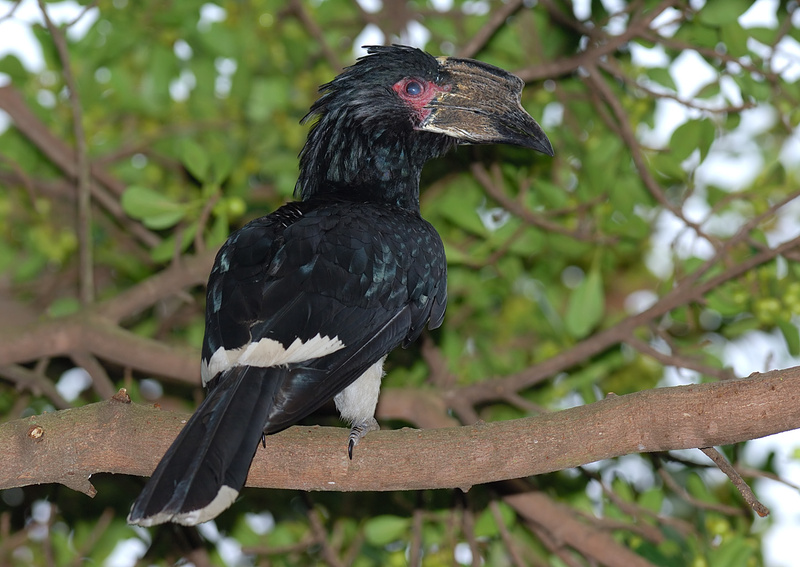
x=69 y=446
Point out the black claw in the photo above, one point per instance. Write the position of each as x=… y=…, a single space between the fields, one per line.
x=264 y=440
x=350 y=449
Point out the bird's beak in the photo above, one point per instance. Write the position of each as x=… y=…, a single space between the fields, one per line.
x=482 y=106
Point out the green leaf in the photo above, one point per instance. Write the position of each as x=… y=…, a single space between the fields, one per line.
x=697 y=488
x=63 y=306
x=759 y=89
x=710 y=90
x=196 y=160
x=791 y=335
x=155 y=209
x=220 y=167
x=220 y=40
x=698 y=35
x=661 y=76
x=690 y=136
x=734 y=37
x=382 y=530
x=486 y=525
x=652 y=500
x=586 y=305
x=735 y=552
x=763 y=35
x=12 y=66
x=266 y=96
x=721 y=12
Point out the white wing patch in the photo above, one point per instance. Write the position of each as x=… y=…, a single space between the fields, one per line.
x=269 y=352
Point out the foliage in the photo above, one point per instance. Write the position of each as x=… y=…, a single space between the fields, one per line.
x=191 y=113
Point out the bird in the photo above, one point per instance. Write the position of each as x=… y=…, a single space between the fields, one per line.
x=304 y=304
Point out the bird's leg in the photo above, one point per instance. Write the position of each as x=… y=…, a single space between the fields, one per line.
x=357 y=404
x=358 y=431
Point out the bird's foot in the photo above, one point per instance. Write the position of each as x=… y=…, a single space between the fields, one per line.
x=358 y=432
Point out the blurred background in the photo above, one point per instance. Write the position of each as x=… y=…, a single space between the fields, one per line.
x=137 y=135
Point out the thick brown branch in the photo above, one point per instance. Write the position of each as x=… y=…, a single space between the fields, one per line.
x=569 y=531
x=93 y=334
x=190 y=271
x=69 y=446
x=95 y=331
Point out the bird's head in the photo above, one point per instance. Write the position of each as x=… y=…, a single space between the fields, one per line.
x=381 y=119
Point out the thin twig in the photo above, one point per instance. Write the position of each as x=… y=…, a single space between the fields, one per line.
x=508 y=540
x=312 y=27
x=321 y=536
x=205 y=214
x=555 y=547
x=515 y=208
x=689 y=288
x=10 y=14
x=84 y=228
x=37 y=383
x=101 y=381
x=673 y=485
x=755 y=473
x=468 y=529
x=648 y=532
x=636 y=511
x=737 y=480
x=99 y=528
x=625 y=130
x=551 y=70
x=415 y=545
x=673 y=359
x=497 y=19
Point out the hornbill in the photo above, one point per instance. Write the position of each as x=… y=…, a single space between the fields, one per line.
x=304 y=304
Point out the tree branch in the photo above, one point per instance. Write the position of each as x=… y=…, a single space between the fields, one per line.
x=87 y=332
x=71 y=445
x=537 y=508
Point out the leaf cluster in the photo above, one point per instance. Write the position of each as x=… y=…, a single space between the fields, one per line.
x=191 y=115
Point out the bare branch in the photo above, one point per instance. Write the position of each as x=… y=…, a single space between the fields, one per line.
x=737 y=480
x=496 y=20
x=33 y=381
x=540 y=510
x=90 y=333
x=71 y=445
x=637 y=28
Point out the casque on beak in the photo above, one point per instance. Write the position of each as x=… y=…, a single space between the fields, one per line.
x=482 y=106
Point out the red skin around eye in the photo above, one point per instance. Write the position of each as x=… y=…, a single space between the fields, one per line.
x=418 y=101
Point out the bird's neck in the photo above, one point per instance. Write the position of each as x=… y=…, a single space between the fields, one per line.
x=375 y=162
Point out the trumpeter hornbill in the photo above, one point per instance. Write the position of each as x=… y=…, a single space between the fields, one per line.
x=304 y=304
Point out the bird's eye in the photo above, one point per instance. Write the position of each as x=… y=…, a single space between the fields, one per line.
x=414 y=88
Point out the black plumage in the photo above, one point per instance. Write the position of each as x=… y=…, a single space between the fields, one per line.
x=304 y=304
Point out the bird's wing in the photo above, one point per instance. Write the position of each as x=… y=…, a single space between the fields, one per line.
x=324 y=289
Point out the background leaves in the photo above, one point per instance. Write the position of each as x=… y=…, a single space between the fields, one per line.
x=191 y=112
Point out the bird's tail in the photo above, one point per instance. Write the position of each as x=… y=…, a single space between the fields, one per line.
x=204 y=469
